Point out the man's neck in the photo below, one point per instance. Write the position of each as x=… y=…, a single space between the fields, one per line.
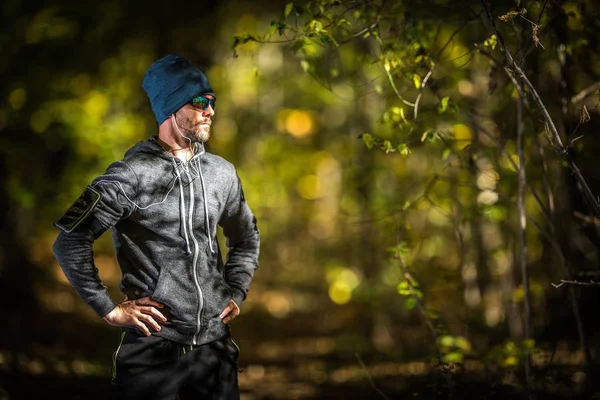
x=184 y=153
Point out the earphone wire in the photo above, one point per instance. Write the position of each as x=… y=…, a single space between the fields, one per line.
x=177 y=177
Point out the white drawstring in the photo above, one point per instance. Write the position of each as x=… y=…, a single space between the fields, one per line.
x=182 y=211
x=205 y=208
x=198 y=168
x=196 y=158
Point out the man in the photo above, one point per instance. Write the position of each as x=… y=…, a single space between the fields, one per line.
x=163 y=202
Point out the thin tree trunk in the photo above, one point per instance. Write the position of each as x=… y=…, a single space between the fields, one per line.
x=523 y=246
x=565 y=99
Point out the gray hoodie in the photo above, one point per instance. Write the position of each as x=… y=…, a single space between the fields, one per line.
x=164 y=214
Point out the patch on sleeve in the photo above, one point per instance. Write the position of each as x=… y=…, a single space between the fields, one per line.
x=79 y=211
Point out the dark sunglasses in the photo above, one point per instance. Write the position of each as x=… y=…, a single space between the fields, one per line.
x=202 y=102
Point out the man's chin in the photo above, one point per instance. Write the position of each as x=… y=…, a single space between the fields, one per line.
x=200 y=137
x=204 y=135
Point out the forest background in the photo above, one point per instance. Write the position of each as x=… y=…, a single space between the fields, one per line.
x=423 y=174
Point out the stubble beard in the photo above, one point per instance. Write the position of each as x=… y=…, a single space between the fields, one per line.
x=195 y=132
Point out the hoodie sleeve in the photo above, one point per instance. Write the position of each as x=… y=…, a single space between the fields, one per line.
x=242 y=238
x=105 y=202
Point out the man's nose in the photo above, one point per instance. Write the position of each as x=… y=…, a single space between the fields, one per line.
x=209 y=111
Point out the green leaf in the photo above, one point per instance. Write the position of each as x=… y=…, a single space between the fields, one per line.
x=237 y=40
x=492 y=41
x=343 y=21
x=281 y=27
x=403 y=288
x=305 y=65
x=387 y=146
x=511 y=361
x=425 y=135
x=403 y=149
x=529 y=344
x=510 y=348
x=288 y=9
x=462 y=343
x=368 y=139
x=410 y=303
x=453 y=357
x=446 y=154
x=417 y=81
x=273 y=27
x=446 y=340
x=277 y=25
x=315 y=25
x=444 y=104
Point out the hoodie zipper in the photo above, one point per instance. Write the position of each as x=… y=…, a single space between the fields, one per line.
x=195 y=262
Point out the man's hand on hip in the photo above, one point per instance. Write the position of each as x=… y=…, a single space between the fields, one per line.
x=230 y=312
x=141 y=313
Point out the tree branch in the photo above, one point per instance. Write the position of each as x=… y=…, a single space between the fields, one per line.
x=585 y=93
x=578 y=283
x=557 y=141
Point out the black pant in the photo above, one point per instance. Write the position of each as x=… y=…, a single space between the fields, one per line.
x=150 y=367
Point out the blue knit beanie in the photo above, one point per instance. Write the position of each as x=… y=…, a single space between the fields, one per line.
x=171 y=82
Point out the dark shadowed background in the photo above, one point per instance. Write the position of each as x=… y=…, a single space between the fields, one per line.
x=377 y=143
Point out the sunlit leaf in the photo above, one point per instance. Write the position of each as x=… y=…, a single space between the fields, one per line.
x=511 y=361
x=453 y=357
x=417 y=81
x=238 y=40
x=446 y=154
x=403 y=289
x=492 y=41
x=387 y=146
x=444 y=104
x=403 y=149
x=273 y=27
x=425 y=135
x=368 y=140
x=446 y=340
x=288 y=9
x=462 y=343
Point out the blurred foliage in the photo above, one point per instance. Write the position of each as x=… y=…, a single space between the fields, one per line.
x=377 y=146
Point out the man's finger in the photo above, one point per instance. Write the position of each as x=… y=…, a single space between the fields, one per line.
x=226 y=311
x=229 y=318
x=142 y=327
x=154 y=312
x=150 y=321
x=147 y=301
